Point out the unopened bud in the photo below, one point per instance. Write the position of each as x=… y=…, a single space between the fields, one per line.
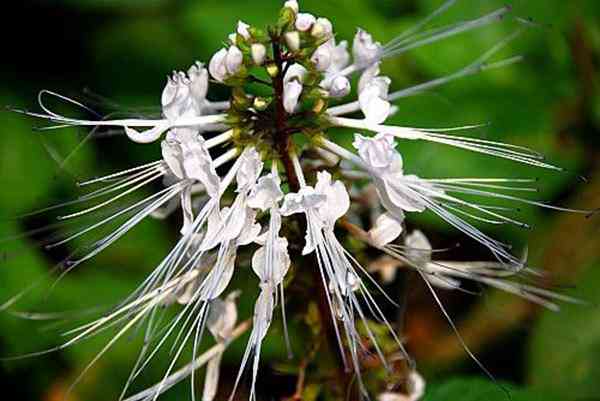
x=292 y=39
x=260 y=103
x=292 y=4
x=258 y=51
x=272 y=70
x=340 y=87
x=234 y=59
x=305 y=21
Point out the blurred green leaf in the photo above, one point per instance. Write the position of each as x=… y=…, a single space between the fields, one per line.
x=475 y=389
x=565 y=347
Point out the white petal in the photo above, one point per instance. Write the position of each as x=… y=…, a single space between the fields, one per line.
x=375 y=108
x=419 y=247
x=242 y=30
x=233 y=60
x=340 y=57
x=258 y=52
x=295 y=72
x=305 y=21
x=364 y=49
x=337 y=198
x=322 y=57
x=223 y=316
x=367 y=76
x=220 y=277
x=172 y=155
x=403 y=197
x=266 y=194
x=387 y=228
x=292 y=39
x=279 y=265
x=198 y=165
x=198 y=76
x=340 y=87
x=250 y=168
x=217 y=67
x=291 y=95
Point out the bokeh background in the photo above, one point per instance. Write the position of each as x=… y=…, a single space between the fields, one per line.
x=115 y=54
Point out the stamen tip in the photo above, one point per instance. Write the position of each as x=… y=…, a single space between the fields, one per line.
x=592 y=213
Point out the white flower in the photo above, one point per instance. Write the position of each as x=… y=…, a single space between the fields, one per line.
x=258 y=51
x=221 y=322
x=322 y=28
x=322 y=57
x=292 y=39
x=340 y=87
x=225 y=63
x=340 y=57
x=387 y=228
x=379 y=154
x=305 y=21
x=328 y=201
x=365 y=51
x=385 y=165
x=291 y=94
x=185 y=153
x=234 y=59
x=217 y=66
x=185 y=95
x=373 y=94
x=295 y=71
x=266 y=194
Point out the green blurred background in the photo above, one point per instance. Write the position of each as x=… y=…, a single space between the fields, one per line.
x=115 y=54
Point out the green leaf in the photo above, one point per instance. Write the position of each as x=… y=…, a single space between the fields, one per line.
x=565 y=348
x=477 y=389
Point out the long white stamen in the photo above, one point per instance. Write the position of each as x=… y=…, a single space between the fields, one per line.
x=219 y=139
x=497 y=149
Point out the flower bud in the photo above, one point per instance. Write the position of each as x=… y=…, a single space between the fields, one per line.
x=217 y=67
x=260 y=103
x=233 y=60
x=272 y=70
x=258 y=51
x=304 y=21
x=291 y=95
x=292 y=39
x=364 y=49
x=340 y=87
x=293 y=4
x=242 y=30
x=295 y=71
x=322 y=28
x=322 y=57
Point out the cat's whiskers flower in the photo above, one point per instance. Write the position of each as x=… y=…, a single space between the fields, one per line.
x=310 y=76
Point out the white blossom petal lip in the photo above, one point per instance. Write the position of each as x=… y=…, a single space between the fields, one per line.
x=242 y=30
x=266 y=194
x=217 y=66
x=340 y=87
x=233 y=60
x=365 y=50
x=386 y=229
x=305 y=21
x=291 y=95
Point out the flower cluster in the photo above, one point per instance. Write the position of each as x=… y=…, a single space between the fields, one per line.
x=274 y=153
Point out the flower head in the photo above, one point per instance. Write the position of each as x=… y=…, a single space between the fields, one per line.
x=213 y=168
